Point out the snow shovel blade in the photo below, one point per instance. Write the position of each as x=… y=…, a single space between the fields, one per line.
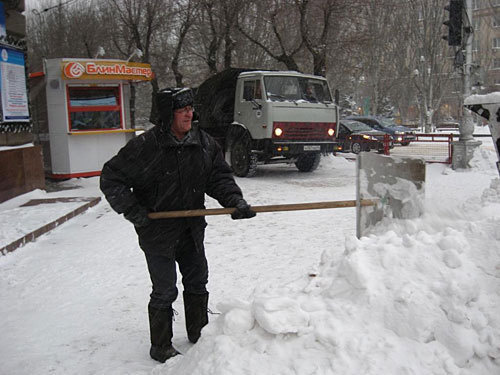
x=396 y=182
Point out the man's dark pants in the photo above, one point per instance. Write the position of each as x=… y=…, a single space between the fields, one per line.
x=162 y=270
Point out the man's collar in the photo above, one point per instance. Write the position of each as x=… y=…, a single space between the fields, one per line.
x=192 y=137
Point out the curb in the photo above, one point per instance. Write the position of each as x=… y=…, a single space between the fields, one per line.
x=30 y=237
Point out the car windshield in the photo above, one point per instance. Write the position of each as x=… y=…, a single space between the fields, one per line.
x=356 y=126
x=388 y=122
x=281 y=88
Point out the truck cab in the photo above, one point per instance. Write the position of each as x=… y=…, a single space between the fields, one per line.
x=273 y=117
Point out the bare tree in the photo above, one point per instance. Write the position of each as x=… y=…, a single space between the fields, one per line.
x=213 y=32
x=274 y=18
x=139 y=22
x=431 y=67
x=59 y=29
x=231 y=10
x=321 y=26
x=377 y=57
x=185 y=15
x=375 y=50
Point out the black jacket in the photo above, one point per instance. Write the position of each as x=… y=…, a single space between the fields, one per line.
x=160 y=173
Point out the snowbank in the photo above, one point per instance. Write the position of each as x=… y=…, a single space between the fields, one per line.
x=413 y=297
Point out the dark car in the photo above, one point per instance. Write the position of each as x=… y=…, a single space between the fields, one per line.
x=355 y=136
x=401 y=134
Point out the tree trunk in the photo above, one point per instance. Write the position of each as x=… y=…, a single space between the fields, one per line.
x=153 y=114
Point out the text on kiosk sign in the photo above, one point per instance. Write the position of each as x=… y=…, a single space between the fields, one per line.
x=106 y=70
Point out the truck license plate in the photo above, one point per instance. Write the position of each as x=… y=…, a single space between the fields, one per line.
x=312 y=148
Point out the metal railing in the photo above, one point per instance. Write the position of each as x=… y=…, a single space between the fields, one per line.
x=432 y=147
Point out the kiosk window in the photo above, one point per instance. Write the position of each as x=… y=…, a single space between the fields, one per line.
x=94 y=108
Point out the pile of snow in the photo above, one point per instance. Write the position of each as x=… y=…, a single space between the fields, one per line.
x=416 y=296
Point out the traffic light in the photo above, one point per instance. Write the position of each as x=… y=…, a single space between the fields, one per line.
x=454 y=24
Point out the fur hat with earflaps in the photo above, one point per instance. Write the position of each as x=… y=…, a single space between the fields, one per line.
x=170 y=99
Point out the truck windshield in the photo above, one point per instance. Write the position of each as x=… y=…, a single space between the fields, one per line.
x=282 y=88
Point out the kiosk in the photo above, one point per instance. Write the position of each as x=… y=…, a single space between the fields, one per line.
x=87 y=113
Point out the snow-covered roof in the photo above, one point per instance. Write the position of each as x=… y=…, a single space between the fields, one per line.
x=491 y=98
x=279 y=73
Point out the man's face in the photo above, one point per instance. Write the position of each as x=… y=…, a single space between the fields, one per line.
x=182 y=121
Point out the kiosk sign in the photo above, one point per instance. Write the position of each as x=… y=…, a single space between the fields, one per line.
x=13 y=86
x=101 y=69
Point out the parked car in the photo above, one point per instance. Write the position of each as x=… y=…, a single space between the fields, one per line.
x=401 y=134
x=355 y=136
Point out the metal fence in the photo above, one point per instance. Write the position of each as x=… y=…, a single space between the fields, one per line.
x=433 y=148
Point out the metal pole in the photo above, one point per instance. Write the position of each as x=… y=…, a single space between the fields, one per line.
x=467 y=128
x=463 y=149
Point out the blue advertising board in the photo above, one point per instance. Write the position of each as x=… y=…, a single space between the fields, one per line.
x=14 y=98
x=3 y=30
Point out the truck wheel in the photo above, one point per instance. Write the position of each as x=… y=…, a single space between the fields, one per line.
x=243 y=162
x=308 y=162
x=405 y=143
x=356 y=148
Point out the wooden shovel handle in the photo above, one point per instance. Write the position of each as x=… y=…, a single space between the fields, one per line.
x=268 y=208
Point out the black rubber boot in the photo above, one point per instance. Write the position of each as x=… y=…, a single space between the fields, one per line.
x=160 y=327
x=195 y=309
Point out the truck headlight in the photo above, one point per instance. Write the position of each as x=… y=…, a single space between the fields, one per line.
x=278 y=132
x=331 y=132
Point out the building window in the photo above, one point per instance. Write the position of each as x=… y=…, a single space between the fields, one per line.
x=496 y=64
x=94 y=108
x=495 y=3
x=495 y=21
x=475 y=45
x=475 y=4
x=496 y=43
x=476 y=24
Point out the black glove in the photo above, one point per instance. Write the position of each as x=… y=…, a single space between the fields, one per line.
x=138 y=216
x=243 y=211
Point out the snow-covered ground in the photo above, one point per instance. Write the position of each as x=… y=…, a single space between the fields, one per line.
x=291 y=293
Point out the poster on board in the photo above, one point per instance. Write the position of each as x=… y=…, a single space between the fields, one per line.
x=13 y=86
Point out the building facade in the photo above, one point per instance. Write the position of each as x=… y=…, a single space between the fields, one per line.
x=486 y=45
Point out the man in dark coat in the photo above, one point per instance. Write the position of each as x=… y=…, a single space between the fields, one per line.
x=171 y=167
